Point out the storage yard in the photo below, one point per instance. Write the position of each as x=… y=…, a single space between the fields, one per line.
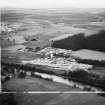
x=66 y=61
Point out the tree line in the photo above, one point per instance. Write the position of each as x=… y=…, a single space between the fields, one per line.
x=83 y=76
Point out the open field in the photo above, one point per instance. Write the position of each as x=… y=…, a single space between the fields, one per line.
x=35 y=84
x=89 y=54
x=57 y=99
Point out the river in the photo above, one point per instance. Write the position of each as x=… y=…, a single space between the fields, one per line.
x=68 y=82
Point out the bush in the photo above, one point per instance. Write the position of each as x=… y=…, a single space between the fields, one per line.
x=22 y=75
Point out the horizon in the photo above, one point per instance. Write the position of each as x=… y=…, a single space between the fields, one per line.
x=50 y=4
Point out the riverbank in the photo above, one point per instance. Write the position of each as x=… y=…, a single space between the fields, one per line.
x=55 y=75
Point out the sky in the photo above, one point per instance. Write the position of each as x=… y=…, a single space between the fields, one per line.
x=53 y=3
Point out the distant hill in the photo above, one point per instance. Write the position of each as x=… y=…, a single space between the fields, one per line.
x=69 y=16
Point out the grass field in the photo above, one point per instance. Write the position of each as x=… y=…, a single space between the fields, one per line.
x=58 y=99
x=89 y=54
x=35 y=84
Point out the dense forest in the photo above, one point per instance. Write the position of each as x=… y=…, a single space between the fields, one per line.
x=79 y=41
